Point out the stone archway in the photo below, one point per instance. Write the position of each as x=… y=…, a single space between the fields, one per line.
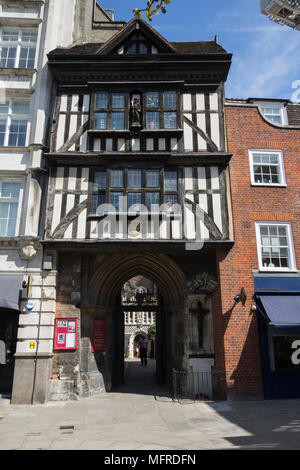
x=104 y=292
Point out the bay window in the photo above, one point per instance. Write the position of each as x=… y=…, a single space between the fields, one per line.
x=148 y=187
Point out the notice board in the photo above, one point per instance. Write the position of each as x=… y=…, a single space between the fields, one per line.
x=98 y=336
x=65 y=335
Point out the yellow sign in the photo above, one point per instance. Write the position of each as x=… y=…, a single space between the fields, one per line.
x=32 y=344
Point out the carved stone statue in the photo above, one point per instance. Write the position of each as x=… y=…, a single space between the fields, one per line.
x=136 y=113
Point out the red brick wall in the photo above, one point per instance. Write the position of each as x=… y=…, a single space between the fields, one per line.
x=237 y=350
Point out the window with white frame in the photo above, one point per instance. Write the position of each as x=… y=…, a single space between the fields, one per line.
x=17 y=47
x=266 y=167
x=14 y=118
x=275 y=246
x=10 y=190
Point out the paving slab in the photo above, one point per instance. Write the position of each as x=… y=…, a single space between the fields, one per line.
x=142 y=416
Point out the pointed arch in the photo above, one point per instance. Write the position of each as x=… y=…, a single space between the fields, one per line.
x=117 y=269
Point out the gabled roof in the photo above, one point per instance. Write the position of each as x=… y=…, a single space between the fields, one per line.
x=131 y=26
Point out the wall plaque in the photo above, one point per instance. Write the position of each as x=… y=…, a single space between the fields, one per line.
x=98 y=335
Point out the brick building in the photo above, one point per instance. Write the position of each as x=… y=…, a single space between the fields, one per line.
x=264 y=138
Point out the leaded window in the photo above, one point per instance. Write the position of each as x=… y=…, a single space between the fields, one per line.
x=129 y=189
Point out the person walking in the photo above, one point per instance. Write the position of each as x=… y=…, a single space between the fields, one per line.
x=143 y=351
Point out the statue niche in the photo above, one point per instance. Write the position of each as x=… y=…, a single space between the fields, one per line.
x=135 y=113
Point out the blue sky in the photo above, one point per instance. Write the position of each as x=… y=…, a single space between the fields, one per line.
x=265 y=55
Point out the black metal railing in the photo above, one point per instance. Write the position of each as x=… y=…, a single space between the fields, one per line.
x=192 y=385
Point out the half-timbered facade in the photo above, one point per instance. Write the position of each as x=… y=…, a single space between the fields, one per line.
x=138 y=185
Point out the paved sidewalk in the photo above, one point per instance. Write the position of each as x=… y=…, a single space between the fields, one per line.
x=141 y=416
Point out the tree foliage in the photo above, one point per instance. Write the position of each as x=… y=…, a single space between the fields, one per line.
x=153 y=7
x=152 y=330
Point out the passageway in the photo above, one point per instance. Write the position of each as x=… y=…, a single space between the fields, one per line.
x=140 y=379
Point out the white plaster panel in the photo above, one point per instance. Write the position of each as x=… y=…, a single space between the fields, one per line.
x=59 y=180
x=200 y=102
x=203 y=204
x=188 y=134
x=201 y=123
x=213 y=101
x=214 y=173
x=56 y=211
x=162 y=144
x=149 y=144
x=215 y=129
x=216 y=200
x=63 y=103
x=84 y=179
x=188 y=178
x=187 y=102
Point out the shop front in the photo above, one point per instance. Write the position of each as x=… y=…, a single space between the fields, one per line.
x=278 y=305
x=10 y=288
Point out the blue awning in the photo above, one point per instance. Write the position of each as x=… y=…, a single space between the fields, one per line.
x=283 y=311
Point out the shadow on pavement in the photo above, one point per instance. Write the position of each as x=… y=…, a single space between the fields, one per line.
x=141 y=380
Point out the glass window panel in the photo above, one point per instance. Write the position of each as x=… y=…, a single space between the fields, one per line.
x=170 y=180
x=4 y=209
x=169 y=99
x=116 y=178
x=170 y=120
x=152 y=179
x=152 y=201
x=134 y=178
x=118 y=100
x=117 y=120
x=152 y=120
x=101 y=99
x=2 y=131
x=4 y=108
x=100 y=121
x=134 y=201
x=143 y=48
x=265 y=241
x=99 y=180
x=98 y=200
x=27 y=56
x=264 y=230
x=17 y=133
x=256 y=159
x=131 y=49
x=171 y=199
x=274 y=159
x=29 y=36
x=152 y=99
x=8 y=57
x=20 y=107
x=273 y=230
x=282 y=230
x=10 y=189
x=10 y=35
x=116 y=199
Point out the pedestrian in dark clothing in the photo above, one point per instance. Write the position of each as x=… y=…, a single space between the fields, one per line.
x=143 y=351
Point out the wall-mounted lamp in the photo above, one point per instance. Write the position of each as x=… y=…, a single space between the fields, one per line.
x=241 y=297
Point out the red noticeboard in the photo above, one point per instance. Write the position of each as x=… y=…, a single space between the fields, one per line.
x=98 y=337
x=65 y=335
